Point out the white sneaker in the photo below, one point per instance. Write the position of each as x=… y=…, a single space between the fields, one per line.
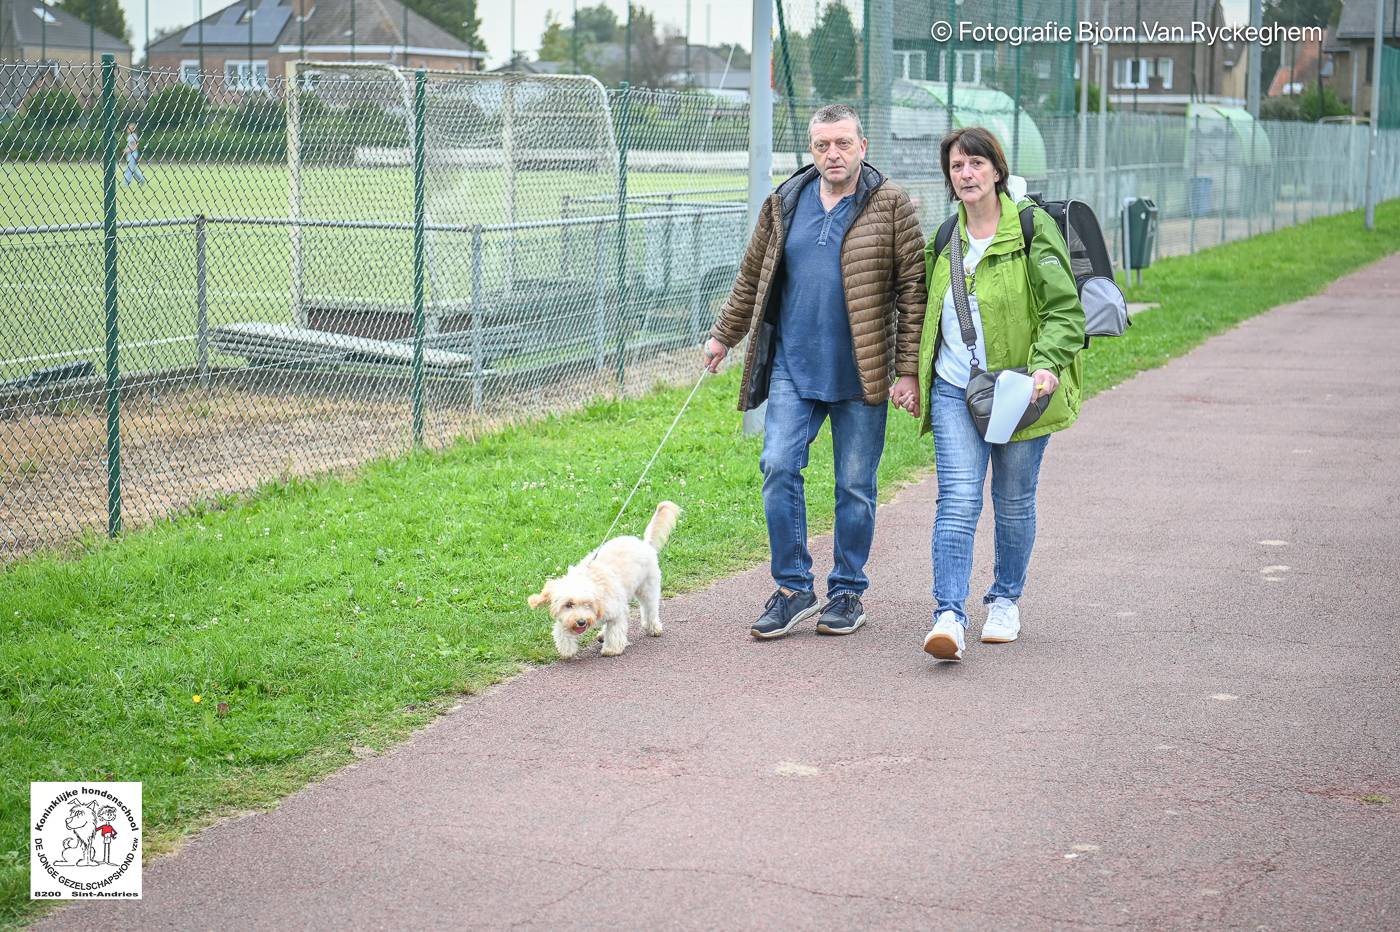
x=1003 y=623
x=946 y=640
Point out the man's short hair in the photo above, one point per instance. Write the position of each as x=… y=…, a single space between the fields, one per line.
x=835 y=113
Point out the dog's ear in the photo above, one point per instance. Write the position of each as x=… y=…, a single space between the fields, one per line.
x=541 y=597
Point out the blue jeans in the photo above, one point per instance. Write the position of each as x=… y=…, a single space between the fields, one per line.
x=961 y=456
x=858 y=439
x=131 y=170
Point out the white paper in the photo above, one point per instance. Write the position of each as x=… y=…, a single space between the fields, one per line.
x=1009 y=401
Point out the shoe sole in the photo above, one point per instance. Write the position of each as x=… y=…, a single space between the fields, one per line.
x=800 y=616
x=942 y=646
x=825 y=629
x=999 y=638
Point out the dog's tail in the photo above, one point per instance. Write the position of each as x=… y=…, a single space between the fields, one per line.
x=661 y=524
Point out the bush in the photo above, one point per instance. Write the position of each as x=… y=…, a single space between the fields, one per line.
x=175 y=107
x=261 y=115
x=51 y=108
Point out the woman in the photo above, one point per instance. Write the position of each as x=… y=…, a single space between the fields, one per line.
x=1026 y=312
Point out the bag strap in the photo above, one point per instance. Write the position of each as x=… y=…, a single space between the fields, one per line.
x=945 y=231
x=959 y=282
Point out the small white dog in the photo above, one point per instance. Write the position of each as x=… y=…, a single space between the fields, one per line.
x=599 y=589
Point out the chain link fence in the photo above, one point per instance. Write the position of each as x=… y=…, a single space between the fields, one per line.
x=208 y=286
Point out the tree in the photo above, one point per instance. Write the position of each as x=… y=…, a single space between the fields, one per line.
x=599 y=24
x=651 y=66
x=451 y=15
x=832 y=53
x=1292 y=13
x=798 y=61
x=106 y=15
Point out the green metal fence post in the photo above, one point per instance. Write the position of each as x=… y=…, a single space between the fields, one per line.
x=622 y=303
x=791 y=93
x=478 y=312
x=109 y=290
x=420 y=79
x=1225 y=179
x=201 y=301
x=1192 y=204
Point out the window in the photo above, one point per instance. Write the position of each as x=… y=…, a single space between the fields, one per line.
x=43 y=13
x=911 y=64
x=189 y=72
x=239 y=76
x=1164 y=72
x=969 y=65
x=1131 y=72
x=1042 y=69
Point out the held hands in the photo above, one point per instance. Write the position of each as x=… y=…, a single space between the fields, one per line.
x=714 y=353
x=1045 y=384
x=904 y=393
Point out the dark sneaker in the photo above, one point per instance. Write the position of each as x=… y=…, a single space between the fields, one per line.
x=783 y=612
x=842 y=615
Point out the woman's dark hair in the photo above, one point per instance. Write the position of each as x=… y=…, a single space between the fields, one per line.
x=973 y=140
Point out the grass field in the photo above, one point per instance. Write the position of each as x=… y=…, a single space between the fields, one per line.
x=52 y=283
x=334 y=617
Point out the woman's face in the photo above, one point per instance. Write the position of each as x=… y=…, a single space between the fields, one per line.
x=972 y=176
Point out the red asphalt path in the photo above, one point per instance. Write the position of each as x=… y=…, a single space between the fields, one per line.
x=1198 y=729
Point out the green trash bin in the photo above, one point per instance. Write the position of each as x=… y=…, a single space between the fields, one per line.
x=1139 y=233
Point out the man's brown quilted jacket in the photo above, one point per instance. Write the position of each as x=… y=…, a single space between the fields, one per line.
x=882 y=272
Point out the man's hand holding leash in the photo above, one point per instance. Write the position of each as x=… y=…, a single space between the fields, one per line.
x=714 y=353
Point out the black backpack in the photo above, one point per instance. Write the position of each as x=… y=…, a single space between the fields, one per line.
x=1105 y=309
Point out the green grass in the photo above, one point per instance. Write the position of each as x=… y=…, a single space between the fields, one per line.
x=51 y=285
x=332 y=615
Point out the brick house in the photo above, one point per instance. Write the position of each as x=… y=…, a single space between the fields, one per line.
x=248 y=41
x=1350 y=50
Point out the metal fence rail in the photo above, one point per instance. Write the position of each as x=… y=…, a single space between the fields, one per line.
x=352 y=260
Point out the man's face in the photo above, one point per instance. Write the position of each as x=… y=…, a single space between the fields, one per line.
x=837 y=149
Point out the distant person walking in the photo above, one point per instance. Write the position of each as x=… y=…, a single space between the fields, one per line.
x=133 y=152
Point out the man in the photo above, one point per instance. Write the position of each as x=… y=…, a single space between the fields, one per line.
x=830 y=293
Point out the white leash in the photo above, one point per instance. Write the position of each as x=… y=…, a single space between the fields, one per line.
x=608 y=535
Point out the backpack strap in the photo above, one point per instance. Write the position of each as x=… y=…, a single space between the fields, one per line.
x=945 y=232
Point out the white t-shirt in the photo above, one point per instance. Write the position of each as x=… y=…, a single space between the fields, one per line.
x=954 y=363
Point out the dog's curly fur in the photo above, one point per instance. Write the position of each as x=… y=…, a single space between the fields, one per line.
x=599 y=589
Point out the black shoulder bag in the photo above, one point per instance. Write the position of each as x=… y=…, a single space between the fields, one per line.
x=982 y=386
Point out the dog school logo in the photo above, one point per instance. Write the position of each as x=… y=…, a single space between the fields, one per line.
x=85 y=841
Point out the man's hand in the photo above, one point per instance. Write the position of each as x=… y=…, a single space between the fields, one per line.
x=714 y=354
x=905 y=393
x=1045 y=384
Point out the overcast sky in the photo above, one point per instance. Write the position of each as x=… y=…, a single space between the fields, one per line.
x=711 y=21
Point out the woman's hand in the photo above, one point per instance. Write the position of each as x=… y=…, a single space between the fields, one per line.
x=1045 y=384
x=905 y=394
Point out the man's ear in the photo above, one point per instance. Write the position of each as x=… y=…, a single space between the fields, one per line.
x=541 y=597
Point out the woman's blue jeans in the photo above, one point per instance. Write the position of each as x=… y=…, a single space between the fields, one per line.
x=961 y=457
x=858 y=438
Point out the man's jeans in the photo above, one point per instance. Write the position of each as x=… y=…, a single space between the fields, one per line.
x=960 y=456
x=858 y=439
